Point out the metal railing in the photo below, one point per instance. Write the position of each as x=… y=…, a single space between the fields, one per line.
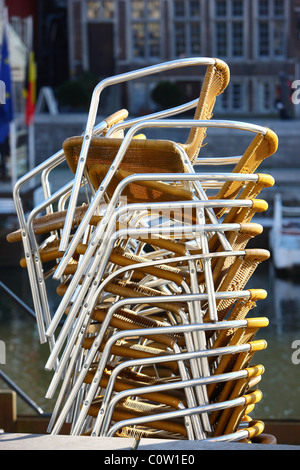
x=12 y=385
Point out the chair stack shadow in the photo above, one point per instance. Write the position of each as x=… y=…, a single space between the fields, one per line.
x=152 y=333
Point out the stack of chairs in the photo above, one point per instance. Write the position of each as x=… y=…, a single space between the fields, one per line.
x=147 y=246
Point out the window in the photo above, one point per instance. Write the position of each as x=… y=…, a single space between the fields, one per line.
x=138 y=31
x=221 y=39
x=233 y=99
x=100 y=10
x=179 y=8
x=221 y=9
x=140 y=96
x=271 y=24
x=264 y=39
x=263 y=8
x=137 y=9
x=154 y=39
x=187 y=27
x=265 y=93
x=237 y=8
x=237 y=39
x=278 y=7
x=229 y=28
x=278 y=38
x=145 y=26
x=237 y=98
x=194 y=36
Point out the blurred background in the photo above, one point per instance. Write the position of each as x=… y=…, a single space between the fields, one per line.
x=58 y=50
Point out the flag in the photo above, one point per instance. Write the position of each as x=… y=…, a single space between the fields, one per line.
x=30 y=92
x=6 y=108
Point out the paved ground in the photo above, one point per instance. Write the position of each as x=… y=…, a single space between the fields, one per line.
x=111 y=445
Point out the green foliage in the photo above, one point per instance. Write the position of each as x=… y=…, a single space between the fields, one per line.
x=167 y=94
x=76 y=94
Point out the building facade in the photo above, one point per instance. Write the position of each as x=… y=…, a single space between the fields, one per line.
x=259 y=39
x=41 y=26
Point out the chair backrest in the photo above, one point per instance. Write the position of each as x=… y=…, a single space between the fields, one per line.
x=142 y=156
x=215 y=82
x=261 y=147
x=233 y=274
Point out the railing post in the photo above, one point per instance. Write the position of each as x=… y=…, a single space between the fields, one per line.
x=8 y=410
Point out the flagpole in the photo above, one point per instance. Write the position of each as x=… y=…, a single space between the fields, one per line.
x=31 y=127
x=31 y=146
x=13 y=152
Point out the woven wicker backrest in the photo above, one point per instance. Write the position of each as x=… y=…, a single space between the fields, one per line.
x=215 y=81
x=142 y=156
x=261 y=147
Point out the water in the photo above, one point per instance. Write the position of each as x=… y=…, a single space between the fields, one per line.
x=25 y=357
x=281 y=382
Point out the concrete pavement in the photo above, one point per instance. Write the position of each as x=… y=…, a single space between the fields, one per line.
x=111 y=445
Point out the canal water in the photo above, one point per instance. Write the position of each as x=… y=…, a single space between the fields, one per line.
x=25 y=357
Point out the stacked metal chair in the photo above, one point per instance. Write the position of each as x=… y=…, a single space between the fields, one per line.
x=151 y=263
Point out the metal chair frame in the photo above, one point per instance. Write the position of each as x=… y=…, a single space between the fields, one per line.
x=174 y=329
x=110 y=254
x=92 y=118
x=97 y=265
x=115 y=165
